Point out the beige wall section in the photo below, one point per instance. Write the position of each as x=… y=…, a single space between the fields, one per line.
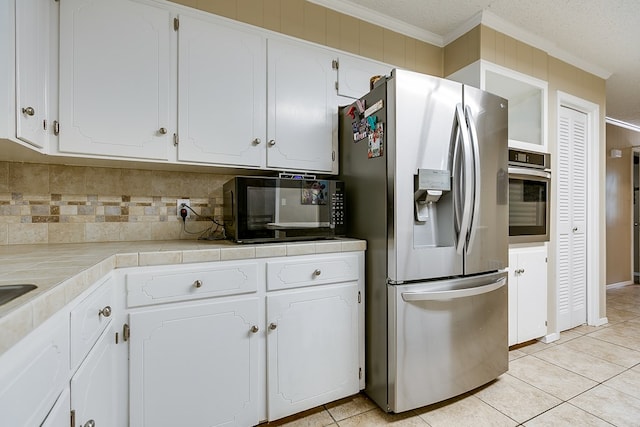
x=462 y=51
x=308 y=21
x=619 y=204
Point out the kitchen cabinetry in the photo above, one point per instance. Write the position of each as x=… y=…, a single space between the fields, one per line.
x=527 y=293
x=59 y=414
x=527 y=98
x=115 y=79
x=94 y=384
x=33 y=372
x=302 y=107
x=239 y=342
x=222 y=93
x=32 y=71
x=354 y=75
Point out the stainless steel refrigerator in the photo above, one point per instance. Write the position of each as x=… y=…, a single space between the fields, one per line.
x=424 y=160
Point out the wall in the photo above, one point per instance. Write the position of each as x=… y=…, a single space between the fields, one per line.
x=619 y=204
x=42 y=203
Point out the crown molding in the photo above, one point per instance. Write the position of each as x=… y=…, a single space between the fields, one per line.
x=622 y=124
x=384 y=21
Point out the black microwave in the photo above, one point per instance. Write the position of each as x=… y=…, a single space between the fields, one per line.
x=264 y=209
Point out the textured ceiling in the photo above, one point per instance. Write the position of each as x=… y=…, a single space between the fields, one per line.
x=603 y=35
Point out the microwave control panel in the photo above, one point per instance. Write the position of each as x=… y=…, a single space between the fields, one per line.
x=337 y=209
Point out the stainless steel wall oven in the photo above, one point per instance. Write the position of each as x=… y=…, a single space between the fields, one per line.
x=529 y=201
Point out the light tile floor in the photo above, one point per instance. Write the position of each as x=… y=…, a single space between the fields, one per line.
x=589 y=377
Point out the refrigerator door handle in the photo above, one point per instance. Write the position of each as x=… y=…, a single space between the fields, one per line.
x=468 y=179
x=458 y=293
x=473 y=131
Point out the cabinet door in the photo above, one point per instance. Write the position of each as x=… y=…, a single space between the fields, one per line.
x=195 y=364
x=114 y=78
x=302 y=107
x=354 y=75
x=222 y=94
x=32 y=70
x=59 y=414
x=93 y=387
x=532 y=294
x=312 y=347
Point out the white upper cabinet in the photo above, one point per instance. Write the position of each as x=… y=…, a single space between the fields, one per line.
x=302 y=110
x=32 y=71
x=115 y=79
x=222 y=89
x=354 y=75
x=527 y=98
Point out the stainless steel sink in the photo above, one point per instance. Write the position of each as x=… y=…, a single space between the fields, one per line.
x=9 y=292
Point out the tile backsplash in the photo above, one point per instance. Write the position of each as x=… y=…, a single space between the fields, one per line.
x=42 y=203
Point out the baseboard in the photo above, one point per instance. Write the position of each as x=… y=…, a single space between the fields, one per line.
x=550 y=338
x=620 y=284
x=601 y=321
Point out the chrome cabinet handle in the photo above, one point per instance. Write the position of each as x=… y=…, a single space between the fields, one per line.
x=272 y=142
x=106 y=312
x=197 y=283
x=254 y=329
x=163 y=131
x=317 y=272
x=257 y=141
x=29 y=111
x=90 y=423
x=273 y=326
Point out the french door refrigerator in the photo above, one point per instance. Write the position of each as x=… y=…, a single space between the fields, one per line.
x=425 y=165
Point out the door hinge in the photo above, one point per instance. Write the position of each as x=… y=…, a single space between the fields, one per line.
x=359 y=297
x=336 y=85
x=175 y=140
x=335 y=64
x=176 y=24
x=126 y=332
x=359 y=373
x=545 y=323
x=545 y=259
x=333 y=156
x=56 y=127
x=73 y=418
x=44 y=124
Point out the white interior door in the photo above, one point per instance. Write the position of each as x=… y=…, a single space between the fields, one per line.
x=636 y=219
x=572 y=219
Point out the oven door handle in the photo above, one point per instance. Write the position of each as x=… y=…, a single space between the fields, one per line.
x=458 y=293
x=528 y=172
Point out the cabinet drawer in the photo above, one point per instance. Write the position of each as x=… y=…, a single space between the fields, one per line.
x=89 y=318
x=182 y=284
x=311 y=270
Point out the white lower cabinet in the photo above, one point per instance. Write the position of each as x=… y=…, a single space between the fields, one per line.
x=94 y=397
x=527 y=293
x=312 y=347
x=289 y=340
x=59 y=414
x=195 y=364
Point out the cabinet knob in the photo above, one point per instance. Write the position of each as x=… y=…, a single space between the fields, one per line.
x=29 y=111
x=272 y=142
x=163 y=131
x=272 y=326
x=317 y=272
x=257 y=141
x=90 y=423
x=197 y=283
x=575 y=229
x=106 y=312
x=254 y=329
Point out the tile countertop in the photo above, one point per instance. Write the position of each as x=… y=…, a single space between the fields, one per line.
x=64 y=271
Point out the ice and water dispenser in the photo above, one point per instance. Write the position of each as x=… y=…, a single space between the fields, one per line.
x=433 y=208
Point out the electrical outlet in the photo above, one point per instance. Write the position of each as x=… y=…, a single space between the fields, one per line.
x=179 y=204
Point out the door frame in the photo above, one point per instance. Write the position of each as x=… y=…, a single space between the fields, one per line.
x=594 y=158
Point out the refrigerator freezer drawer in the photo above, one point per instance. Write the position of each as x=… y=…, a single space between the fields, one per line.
x=446 y=338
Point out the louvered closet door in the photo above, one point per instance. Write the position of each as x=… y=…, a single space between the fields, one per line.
x=572 y=219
